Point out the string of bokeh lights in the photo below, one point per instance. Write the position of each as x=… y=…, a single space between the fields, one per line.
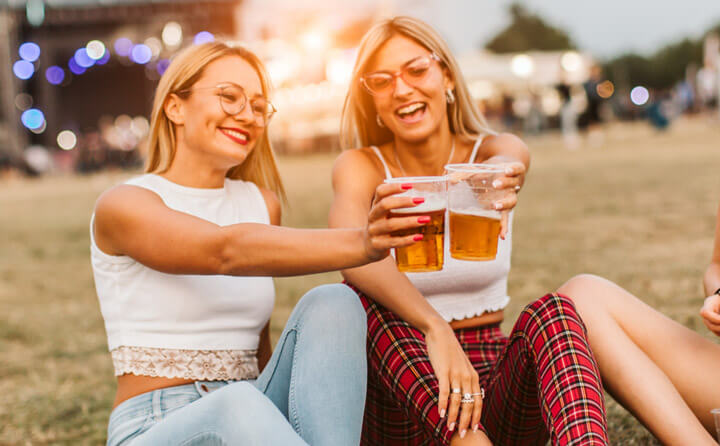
x=94 y=53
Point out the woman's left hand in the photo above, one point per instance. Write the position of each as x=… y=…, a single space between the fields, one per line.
x=511 y=182
x=710 y=313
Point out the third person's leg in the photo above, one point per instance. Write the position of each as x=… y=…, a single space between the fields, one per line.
x=661 y=371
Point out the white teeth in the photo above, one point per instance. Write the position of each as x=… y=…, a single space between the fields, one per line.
x=235 y=134
x=410 y=108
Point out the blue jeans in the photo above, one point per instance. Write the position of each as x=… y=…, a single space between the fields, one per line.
x=312 y=390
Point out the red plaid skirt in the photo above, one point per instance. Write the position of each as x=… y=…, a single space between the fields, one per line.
x=541 y=382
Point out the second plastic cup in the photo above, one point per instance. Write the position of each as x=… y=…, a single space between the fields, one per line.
x=474 y=222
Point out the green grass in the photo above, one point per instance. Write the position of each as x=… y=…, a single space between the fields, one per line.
x=639 y=210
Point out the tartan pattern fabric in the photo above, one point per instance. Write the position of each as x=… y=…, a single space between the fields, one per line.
x=541 y=382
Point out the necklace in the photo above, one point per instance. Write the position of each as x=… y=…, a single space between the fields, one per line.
x=402 y=169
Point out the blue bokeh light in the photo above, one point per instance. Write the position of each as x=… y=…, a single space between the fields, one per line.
x=29 y=51
x=55 y=75
x=74 y=67
x=23 y=69
x=203 y=37
x=141 y=54
x=103 y=60
x=82 y=58
x=33 y=118
x=162 y=66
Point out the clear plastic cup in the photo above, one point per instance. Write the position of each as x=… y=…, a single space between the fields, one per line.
x=427 y=254
x=474 y=223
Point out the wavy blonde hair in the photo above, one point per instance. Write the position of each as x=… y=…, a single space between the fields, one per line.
x=358 y=126
x=185 y=69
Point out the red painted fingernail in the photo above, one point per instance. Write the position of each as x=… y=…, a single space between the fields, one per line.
x=406 y=186
x=418 y=200
x=417 y=237
x=423 y=219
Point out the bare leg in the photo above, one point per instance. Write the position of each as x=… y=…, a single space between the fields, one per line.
x=661 y=371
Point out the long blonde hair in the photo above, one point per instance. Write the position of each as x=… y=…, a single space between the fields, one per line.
x=358 y=126
x=185 y=69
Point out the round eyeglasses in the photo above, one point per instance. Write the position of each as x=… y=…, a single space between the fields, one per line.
x=413 y=73
x=233 y=101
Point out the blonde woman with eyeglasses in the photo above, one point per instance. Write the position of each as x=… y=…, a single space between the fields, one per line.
x=435 y=348
x=183 y=257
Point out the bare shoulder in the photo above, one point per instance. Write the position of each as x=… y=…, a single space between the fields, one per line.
x=124 y=198
x=503 y=140
x=273 y=205
x=505 y=145
x=116 y=206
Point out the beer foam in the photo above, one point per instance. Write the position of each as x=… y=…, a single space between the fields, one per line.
x=487 y=213
x=433 y=202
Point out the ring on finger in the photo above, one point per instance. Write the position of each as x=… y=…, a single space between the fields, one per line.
x=467 y=400
x=481 y=393
x=456 y=390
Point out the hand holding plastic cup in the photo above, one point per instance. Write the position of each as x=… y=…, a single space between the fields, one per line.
x=427 y=254
x=474 y=222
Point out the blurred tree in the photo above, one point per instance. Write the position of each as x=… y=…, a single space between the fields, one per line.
x=528 y=31
x=671 y=61
x=661 y=70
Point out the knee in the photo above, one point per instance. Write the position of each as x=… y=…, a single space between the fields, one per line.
x=334 y=308
x=550 y=304
x=579 y=289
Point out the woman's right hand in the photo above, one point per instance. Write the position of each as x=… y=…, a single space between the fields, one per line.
x=710 y=313
x=382 y=224
x=454 y=371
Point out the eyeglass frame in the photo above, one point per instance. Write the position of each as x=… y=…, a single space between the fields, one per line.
x=395 y=75
x=267 y=118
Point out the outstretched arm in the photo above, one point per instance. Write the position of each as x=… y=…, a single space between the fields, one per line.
x=136 y=222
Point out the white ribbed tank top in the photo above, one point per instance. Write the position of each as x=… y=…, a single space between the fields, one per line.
x=146 y=308
x=464 y=289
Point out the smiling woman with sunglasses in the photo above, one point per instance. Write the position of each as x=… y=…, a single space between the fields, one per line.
x=435 y=348
x=182 y=258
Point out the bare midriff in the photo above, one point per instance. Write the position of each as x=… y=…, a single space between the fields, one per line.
x=134 y=385
x=478 y=321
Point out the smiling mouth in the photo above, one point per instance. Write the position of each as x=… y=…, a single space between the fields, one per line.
x=411 y=112
x=238 y=136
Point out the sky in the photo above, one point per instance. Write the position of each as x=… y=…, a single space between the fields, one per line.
x=606 y=28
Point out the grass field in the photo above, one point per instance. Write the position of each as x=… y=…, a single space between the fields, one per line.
x=640 y=210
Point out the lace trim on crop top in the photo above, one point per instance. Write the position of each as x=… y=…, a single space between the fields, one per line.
x=198 y=365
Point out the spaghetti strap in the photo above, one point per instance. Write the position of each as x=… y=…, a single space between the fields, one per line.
x=473 y=155
x=388 y=175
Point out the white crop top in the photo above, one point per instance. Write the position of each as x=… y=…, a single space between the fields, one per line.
x=143 y=307
x=464 y=289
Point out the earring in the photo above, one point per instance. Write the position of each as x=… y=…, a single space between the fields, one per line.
x=449 y=96
x=379 y=122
